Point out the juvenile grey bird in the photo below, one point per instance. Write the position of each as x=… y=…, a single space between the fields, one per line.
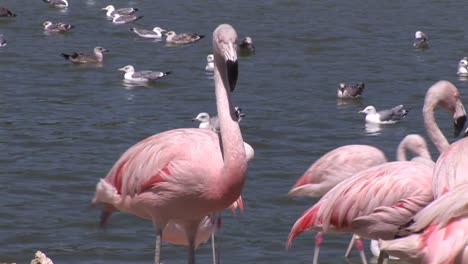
x=56 y=27
x=246 y=47
x=183 y=38
x=350 y=90
x=388 y=116
x=97 y=57
x=420 y=40
x=5 y=12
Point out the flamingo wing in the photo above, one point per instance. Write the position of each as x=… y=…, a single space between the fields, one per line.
x=384 y=185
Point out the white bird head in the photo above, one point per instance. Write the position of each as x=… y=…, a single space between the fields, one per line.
x=210 y=58
x=159 y=30
x=47 y=24
x=419 y=34
x=368 y=110
x=128 y=68
x=463 y=62
x=202 y=117
x=109 y=8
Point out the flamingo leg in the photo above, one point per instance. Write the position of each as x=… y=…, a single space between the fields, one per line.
x=350 y=246
x=356 y=240
x=215 y=249
x=191 y=232
x=318 y=242
x=383 y=258
x=157 y=250
x=360 y=247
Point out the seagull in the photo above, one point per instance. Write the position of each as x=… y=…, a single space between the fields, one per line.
x=206 y=121
x=209 y=63
x=350 y=90
x=389 y=116
x=57 y=3
x=123 y=19
x=183 y=38
x=156 y=33
x=5 y=12
x=3 y=42
x=97 y=57
x=121 y=11
x=141 y=76
x=420 y=40
x=56 y=27
x=463 y=67
x=246 y=47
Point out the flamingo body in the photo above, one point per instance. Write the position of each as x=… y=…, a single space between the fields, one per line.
x=440 y=231
x=184 y=175
x=367 y=203
x=335 y=166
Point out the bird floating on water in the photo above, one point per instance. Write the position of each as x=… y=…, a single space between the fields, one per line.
x=57 y=3
x=207 y=121
x=420 y=40
x=141 y=76
x=97 y=57
x=246 y=47
x=56 y=27
x=209 y=63
x=183 y=38
x=156 y=33
x=111 y=10
x=388 y=116
x=463 y=67
x=3 y=41
x=124 y=19
x=5 y=12
x=350 y=90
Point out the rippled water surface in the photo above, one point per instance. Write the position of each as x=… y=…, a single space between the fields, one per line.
x=63 y=126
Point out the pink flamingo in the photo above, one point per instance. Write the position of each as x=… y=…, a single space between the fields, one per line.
x=183 y=175
x=416 y=144
x=448 y=175
x=331 y=169
x=342 y=162
x=440 y=231
x=373 y=203
x=451 y=166
x=335 y=166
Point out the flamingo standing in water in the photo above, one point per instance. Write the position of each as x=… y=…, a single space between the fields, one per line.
x=331 y=169
x=452 y=165
x=449 y=173
x=345 y=161
x=373 y=203
x=183 y=175
x=440 y=231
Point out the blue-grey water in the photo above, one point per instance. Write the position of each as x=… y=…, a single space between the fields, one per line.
x=63 y=126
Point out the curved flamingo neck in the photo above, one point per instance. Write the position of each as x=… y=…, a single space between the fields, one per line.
x=433 y=130
x=232 y=144
x=410 y=144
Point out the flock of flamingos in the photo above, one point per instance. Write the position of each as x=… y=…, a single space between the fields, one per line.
x=417 y=210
